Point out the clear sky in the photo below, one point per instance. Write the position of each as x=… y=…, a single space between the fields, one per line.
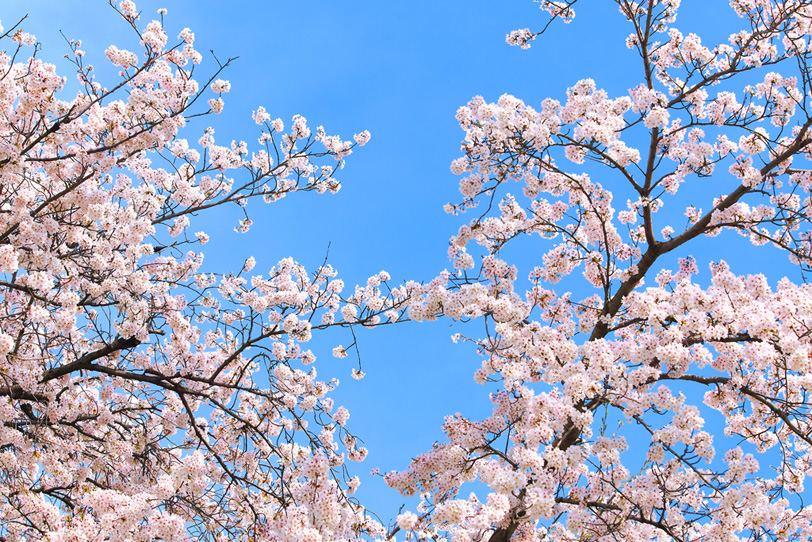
x=399 y=70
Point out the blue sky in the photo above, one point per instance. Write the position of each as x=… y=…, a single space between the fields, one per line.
x=399 y=70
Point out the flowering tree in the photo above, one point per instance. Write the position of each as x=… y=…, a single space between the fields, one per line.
x=140 y=398
x=643 y=352
x=143 y=398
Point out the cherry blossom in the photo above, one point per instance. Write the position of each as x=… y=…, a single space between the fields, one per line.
x=144 y=399
x=651 y=403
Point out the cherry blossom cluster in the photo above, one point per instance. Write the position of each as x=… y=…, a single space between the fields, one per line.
x=142 y=397
x=641 y=359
